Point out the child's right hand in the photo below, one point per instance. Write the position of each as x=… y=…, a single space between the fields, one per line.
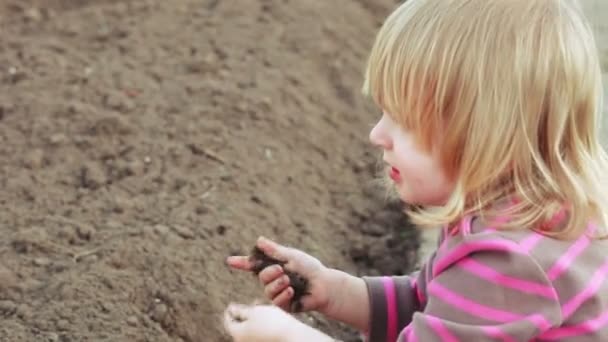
x=276 y=283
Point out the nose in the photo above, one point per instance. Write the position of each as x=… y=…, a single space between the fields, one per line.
x=380 y=137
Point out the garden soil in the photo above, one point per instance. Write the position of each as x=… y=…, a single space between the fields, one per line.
x=144 y=141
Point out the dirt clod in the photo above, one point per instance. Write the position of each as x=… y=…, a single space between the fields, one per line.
x=85 y=231
x=34 y=159
x=299 y=283
x=184 y=232
x=42 y=262
x=159 y=312
x=62 y=324
x=24 y=312
x=52 y=337
x=161 y=229
x=7 y=307
x=8 y=279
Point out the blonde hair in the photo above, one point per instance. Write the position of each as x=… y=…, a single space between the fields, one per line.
x=509 y=93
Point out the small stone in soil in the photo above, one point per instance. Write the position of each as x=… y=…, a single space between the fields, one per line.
x=7 y=307
x=184 y=232
x=107 y=306
x=8 y=279
x=159 y=312
x=52 y=337
x=85 y=232
x=132 y=321
x=90 y=258
x=41 y=262
x=63 y=324
x=24 y=312
x=296 y=281
x=33 y=14
x=57 y=138
x=161 y=229
x=34 y=159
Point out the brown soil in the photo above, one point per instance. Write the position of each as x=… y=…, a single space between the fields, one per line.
x=144 y=141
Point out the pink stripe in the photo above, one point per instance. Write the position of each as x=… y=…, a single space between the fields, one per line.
x=467 y=248
x=499 y=220
x=583 y=328
x=419 y=294
x=471 y=307
x=437 y=325
x=565 y=260
x=485 y=312
x=531 y=241
x=540 y=322
x=495 y=333
x=593 y=286
x=409 y=334
x=495 y=277
x=465 y=225
x=391 y=305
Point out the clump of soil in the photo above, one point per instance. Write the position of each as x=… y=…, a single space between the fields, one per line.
x=298 y=283
x=144 y=140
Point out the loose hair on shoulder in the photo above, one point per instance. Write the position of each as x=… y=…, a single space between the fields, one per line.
x=509 y=94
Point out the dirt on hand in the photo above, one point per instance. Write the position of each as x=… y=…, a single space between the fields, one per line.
x=142 y=141
x=298 y=283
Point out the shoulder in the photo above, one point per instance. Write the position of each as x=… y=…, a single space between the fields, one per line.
x=503 y=249
x=489 y=274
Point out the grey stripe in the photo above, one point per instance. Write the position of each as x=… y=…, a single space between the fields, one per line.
x=407 y=301
x=378 y=310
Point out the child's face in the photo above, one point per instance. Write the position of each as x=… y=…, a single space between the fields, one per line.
x=417 y=175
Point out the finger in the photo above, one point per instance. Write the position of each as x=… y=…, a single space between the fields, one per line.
x=284 y=299
x=239 y=262
x=270 y=273
x=308 y=303
x=276 y=287
x=238 y=312
x=273 y=249
x=234 y=327
x=229 y=322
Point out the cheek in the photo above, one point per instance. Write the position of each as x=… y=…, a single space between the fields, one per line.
x=412 y=163
x=423 y=179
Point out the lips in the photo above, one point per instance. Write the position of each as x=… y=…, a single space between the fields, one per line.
x=394 y=174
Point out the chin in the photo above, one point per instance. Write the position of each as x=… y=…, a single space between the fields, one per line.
x=421 y=201
x=409 y=200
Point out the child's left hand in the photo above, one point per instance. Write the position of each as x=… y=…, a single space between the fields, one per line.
x=265 y=323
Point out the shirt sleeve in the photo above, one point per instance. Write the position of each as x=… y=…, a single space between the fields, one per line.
x=394 y=300
x=392 y=303
x=485 y=290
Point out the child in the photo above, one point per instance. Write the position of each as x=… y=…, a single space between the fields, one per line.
x=490 y=130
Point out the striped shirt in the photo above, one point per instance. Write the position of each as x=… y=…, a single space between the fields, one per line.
x=483 y=284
